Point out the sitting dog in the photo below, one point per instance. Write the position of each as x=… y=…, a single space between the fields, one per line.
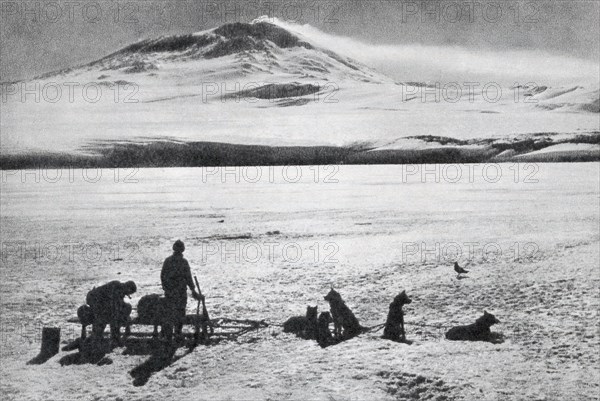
x=345 y=323
x=152 y=309
x=303 y=326
x=478 y=331
x=324 y=337
x=394 y=325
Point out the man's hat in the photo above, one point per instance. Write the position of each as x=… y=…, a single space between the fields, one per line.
x=178 y=246
x=130 y=287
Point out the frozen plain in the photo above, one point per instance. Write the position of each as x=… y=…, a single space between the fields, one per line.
x=371 y=231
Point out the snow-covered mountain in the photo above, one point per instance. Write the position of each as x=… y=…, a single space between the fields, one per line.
x=248 y=49
x=261 y=84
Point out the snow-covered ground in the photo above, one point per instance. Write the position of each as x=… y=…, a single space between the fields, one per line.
x=530 y=238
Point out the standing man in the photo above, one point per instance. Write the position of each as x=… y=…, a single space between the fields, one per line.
x=175 y=277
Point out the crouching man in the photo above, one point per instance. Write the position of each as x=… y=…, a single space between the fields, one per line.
x=107 y=306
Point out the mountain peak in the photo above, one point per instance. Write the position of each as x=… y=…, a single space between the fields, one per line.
x=261 y=31
x=218 y=42
x=258 y=46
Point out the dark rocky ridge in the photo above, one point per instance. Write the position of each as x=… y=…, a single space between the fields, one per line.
x=170 y=153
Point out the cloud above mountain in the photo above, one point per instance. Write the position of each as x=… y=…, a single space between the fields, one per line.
x=415 y=62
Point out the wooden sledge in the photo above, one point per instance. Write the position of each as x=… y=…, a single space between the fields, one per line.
x=223 y=327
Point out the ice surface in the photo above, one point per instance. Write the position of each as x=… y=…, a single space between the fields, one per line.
x=543 y=287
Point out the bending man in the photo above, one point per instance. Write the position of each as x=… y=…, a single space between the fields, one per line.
x=108 y=307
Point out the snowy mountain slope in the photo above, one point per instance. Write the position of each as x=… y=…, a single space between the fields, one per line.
x=260 y=84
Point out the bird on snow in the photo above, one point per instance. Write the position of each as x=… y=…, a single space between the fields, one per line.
x=459 y=269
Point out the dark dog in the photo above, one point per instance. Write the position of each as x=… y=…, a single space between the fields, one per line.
x=345 y=323
x=394 y=325
x=478 y=331
x=303 y=326
x=324 y=337
x=152 y=309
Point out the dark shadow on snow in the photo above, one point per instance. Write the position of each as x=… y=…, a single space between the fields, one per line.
x=90 y=350
x=162 y=356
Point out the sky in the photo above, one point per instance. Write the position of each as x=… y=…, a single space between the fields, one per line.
x=420 y=40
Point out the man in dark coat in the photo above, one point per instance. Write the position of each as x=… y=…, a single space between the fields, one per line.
x=176 y=277
x=108 y=307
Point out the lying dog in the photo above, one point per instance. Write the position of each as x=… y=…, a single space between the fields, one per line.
x=394 y=325
x=324 y=337
x=303 y=326
x=478 y=331
x=152 y=309
x=345 y=323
